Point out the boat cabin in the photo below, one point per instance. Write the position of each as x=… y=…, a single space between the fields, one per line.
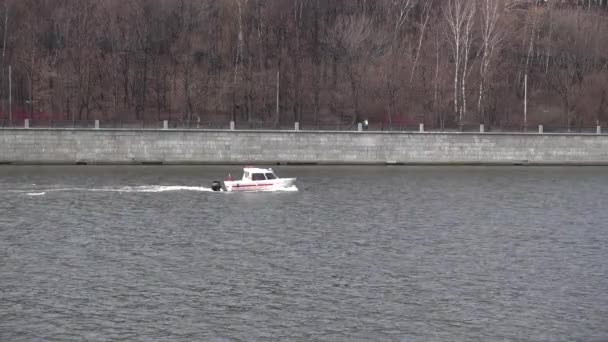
x=257 y=174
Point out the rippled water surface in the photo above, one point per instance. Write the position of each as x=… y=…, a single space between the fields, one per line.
x=368 y=254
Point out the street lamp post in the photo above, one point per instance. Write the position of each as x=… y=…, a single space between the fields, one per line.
x=526 y=102
x=31 y=104
x=10 y=94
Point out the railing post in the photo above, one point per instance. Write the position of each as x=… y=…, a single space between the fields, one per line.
x=482 y=128
x=165 y=124
x=96 y=124
x=232 y=125
x=598 y=129
x=359 y=127
x=540 y=129
x=421 y=128
x=26 y=123
x=297 y=126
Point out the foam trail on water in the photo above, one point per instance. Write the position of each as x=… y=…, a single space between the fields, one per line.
x=158 y=188
x=134 y=189
x=288 y=189
x=142 y=188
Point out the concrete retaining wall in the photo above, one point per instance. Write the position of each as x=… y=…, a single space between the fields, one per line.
x=114 y=146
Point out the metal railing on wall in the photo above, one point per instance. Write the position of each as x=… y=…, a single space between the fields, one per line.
x=291 y=126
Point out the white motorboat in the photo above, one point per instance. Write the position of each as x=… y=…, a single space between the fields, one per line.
x=255 y=179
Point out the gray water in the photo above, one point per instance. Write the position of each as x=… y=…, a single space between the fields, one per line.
x=367 y=254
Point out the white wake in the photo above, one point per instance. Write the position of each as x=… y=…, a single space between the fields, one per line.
x=142 y=188
x=156 y=188
x=135 y=189
x=288 y=189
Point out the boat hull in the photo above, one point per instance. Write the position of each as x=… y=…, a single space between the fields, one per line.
x=263 y=185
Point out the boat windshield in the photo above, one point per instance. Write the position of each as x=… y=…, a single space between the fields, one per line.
x=258 y=177
x=271 y=176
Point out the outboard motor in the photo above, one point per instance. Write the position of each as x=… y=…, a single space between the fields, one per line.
x=216 y=186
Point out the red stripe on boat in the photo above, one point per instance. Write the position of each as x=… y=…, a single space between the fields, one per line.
x=252 y=185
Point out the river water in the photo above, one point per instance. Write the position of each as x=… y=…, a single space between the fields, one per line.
x=148 y=253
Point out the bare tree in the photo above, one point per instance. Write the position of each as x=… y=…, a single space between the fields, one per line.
x=352 y=41
x=426 y=7
x=491 y=38
x=6 y=15
x=145 y=59
x=578 y=61
x=459 y=15
x=238 y=60
x=297 y=58
x=398 y=14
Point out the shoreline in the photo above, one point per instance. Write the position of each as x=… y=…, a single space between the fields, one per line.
x=44 y=146
x=295 y=164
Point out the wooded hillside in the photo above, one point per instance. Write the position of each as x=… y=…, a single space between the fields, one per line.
x=391 y=61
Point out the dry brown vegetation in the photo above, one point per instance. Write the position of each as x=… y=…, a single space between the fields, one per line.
x=441 y=62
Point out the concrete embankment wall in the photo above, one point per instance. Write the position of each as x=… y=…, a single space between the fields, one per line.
x=115 y=146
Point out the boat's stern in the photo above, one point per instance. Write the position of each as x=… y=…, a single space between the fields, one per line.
x=218 y=186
